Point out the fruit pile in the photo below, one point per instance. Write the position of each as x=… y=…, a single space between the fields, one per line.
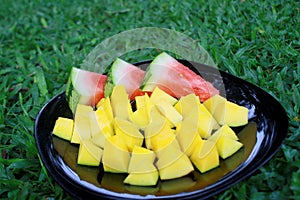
x=165 y=133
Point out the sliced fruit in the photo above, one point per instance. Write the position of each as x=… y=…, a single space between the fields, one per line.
x=158 y=95
x=115 y=155
x=142 y=179
x=207 y=122
x=226 y=112
x=223 y=145
x=179 y=168
x=141 y=161
x=158 y=124
x=175 y=79
x=205 y=156
x=63 y=128
x=169 y=112
x=233 y=115
x=120 y=103
x=188 y=105
x=82 y=129
x=167 y=151
x=124 y=73
x=161 y=140
x=226 y=131
x=89 y=154
x=160 y=73
x=84 y=87
x=140 y=117
x=187 y=136
x=128 y=132
x=212 y=103
x=141 y=168
x=106 y=105
x=101 y=127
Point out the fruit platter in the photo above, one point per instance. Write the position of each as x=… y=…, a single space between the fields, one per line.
x=157 y=129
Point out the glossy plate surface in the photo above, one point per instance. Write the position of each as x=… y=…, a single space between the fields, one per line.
x=262 y=137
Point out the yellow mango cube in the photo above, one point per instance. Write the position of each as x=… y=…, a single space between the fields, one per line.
x=169 y=112
x=227 y=146
x=178 y=168
x=143 y=179
x=205 y=156
x=233 y=115
x=105 y=104
x=115 y=156
x=128 y=132
x=187 y=105
x=187 y=135
x=120 y=103
x=82 y=129
x=89 y=154
x=224 y=130
x=63 y=128
x=159 y=95
x=141 y=161
x=140 y=117
x=214 y=102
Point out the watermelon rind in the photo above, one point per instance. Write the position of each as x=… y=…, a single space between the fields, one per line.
x=161 y=73
x=84 y=87
x=112 y=77
x=147 y=84
x=122 y=72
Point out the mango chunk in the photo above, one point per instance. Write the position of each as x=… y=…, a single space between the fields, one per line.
x=205 y=156
x=89 y=154
x=226 y=131
x=226 y=112
x=82 y=128
x=101 y=126
x=187 y=105
x=168 y=152
x=63 y=128
x=115 y=155
x=141 y=168
x=178 y=168
x=169 y=112
x=140 y=117
x=212 y=103
x=128 y=132
x=159 y=95
x=156 y=126
x=227 y=146
x=141 y=161
x=120 y=103
x=207 y=122
x=142 y=179
x=187 y=136
x=162 y=139
x=233 y=115
x=142 y=101
x=105 y=104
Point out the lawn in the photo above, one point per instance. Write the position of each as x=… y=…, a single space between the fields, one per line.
x=40 y=41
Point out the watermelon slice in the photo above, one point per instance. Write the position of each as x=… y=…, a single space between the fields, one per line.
x=176 y=79
x=84 y=87
x=122 y=72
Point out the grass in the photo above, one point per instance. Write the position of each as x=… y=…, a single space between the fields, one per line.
x=41 y=40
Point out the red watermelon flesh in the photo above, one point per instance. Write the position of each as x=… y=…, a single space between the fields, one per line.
x=176 y=79
x=89 y=85
x=203 y=89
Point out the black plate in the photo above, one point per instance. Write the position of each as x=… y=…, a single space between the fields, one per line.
x=262 y=137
